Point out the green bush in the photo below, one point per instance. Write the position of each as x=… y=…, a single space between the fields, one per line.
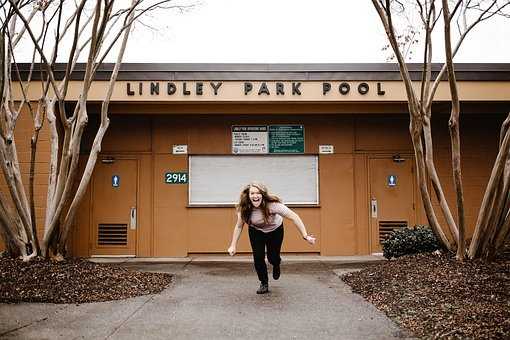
x=405 y=241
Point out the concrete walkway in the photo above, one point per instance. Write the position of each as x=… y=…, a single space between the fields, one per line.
x=214 y=300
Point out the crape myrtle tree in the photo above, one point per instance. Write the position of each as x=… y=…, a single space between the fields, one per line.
x=493 y=222
x=94 y=29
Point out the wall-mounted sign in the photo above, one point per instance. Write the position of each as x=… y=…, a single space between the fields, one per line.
x=249 y=89
x=326 y=149
x=176 y=177
x=262 y=139
x=286 y=139
x=392 y=180
x=249 y=139
x=115 y=181
x=180 y=149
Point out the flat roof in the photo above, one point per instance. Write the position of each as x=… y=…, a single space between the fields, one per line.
x=276 y=72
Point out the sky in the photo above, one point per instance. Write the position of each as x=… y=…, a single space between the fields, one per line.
x=286 y=31
x=320 y=31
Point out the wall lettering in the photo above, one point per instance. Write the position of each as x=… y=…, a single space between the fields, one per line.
x=154 y=88
x=295 y=88
x=280 y=88
x=216 y=87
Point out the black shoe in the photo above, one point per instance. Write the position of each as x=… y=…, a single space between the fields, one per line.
x=276 y=272
x=263 y=289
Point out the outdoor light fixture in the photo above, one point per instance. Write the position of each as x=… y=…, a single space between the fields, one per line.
x=398 y=159
x=108 y=160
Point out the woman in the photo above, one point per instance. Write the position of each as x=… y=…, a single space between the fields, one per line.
x=264 y=213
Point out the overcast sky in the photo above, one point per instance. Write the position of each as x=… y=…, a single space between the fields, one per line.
x=322 y=31
x=287 y=31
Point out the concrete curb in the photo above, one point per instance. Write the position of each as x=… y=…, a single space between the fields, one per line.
x=362 y=259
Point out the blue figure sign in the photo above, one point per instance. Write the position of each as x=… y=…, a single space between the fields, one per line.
x=392 y=180
x=115 y=181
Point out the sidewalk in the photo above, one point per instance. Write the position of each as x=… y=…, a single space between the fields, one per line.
x=215 y=300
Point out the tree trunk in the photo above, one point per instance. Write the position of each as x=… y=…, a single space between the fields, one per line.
x=436 y=183
x=416 y=131
x=453 y=124
x=481 y=228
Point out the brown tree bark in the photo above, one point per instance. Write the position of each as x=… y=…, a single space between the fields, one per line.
x=453 y=124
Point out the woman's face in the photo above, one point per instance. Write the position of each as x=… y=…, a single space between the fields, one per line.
x=255 y=197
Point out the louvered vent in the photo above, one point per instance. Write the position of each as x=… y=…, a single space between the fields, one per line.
x=112 y=235
x=386 y=227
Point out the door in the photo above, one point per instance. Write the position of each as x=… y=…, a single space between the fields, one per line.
x=392 y=199
x=114 y=216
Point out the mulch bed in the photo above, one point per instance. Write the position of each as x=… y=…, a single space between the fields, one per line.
x=435 y=296
x=74 y=281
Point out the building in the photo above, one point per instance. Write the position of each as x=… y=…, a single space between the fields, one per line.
x=331 y=139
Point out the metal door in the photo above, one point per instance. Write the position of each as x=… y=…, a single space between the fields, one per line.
x=392 y=198
x=114 y=215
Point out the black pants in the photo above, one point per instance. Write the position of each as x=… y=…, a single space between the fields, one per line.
x=259 y=241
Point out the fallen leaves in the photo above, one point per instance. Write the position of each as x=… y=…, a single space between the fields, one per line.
x=435 y=296
x=74 y=281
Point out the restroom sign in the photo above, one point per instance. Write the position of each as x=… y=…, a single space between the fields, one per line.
x=392 y=180
x=115 y=181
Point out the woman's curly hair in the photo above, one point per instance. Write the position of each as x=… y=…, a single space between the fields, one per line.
x=245 y=207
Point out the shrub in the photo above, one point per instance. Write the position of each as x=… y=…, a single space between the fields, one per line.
x=405 y=241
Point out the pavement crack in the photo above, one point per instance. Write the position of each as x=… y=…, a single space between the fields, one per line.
x=187 y=264
x=21 y=327
x=129 y=317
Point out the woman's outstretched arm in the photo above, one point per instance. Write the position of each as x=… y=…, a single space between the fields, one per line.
x=237 y=233
x=301 y=226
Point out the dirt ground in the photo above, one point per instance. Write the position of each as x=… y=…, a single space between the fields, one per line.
x=435 y=296
x=73 y=281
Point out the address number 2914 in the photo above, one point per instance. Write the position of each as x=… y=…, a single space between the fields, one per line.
x=176 y=177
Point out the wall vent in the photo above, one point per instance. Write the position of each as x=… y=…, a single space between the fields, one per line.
x=112 y=235
x=386 y=227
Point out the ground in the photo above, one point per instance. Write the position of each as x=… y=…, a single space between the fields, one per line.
x=432 y=296
x=74 y=281
x=435 y=296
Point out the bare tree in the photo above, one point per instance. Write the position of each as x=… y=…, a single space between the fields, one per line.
x=493 y=222
x=95 y=28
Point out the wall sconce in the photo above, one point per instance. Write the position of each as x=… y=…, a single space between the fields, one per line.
x=398 y=159
x=108 y=160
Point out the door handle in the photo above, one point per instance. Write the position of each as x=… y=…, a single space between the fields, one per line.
x=132 y=222
x=373 y=207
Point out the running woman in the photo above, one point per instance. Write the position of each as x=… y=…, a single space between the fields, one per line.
x=263 y=213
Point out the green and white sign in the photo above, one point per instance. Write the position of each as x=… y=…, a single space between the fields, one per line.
x=176 y=177
x=286 y=139
x=264 y=139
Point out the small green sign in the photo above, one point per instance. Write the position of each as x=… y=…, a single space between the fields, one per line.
x=176 y=177
x=286 y=139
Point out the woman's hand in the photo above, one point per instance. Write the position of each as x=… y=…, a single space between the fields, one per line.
x=310 y=239
x=232 y=250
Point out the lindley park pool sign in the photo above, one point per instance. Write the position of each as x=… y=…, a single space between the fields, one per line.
x=261 y=89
